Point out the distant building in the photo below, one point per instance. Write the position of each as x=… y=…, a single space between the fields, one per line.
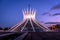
x=55 y=27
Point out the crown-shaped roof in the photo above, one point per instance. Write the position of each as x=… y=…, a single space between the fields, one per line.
x=29 y=13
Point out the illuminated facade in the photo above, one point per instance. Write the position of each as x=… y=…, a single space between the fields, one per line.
x=29 y=23
x=29 y=14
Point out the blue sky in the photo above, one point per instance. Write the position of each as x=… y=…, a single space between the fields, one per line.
x=11 y=11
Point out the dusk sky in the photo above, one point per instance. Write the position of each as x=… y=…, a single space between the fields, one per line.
x=11 y=11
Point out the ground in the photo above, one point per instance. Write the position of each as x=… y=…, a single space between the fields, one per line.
x=30 y=36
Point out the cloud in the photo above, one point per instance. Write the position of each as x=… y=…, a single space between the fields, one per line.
x=52 y=23
x=53 y=8
x=56 y=14
x=56 y=7
x=46 y=13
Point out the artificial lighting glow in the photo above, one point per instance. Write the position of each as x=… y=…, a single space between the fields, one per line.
x=29 y=14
